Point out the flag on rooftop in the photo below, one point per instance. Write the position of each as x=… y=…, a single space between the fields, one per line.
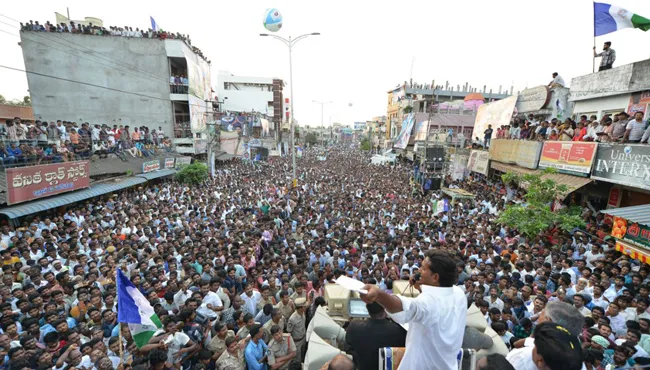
x=134 y=310
x=610 y=18
x=154 y=25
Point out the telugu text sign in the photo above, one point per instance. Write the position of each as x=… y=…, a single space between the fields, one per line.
x=29 y=183
x=150 y=166
x=478 y=161
x=568 y=156
x=169 y=163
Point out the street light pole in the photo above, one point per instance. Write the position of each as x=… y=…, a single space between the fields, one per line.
x=290 y=44
x=322 y=103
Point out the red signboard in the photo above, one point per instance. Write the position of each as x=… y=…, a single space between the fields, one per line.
x=568 y=156
x=29 y=183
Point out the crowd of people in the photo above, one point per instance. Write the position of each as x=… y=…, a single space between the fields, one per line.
x=26 y=143
x=621 y=128
x=235 y=267
x=95 y=30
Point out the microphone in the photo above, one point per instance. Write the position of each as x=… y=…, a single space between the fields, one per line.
x=413 y=281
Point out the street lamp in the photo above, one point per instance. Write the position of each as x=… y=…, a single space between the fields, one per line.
x=322 y=103
x=290 y=43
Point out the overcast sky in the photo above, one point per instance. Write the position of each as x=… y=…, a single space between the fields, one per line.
x=366 y=48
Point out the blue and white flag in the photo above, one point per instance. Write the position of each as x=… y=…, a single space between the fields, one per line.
x=134 y=310
x=610 y=18
x=154 y=25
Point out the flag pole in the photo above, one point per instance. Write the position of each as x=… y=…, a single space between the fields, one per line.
x=119 y=339
x=593 y=59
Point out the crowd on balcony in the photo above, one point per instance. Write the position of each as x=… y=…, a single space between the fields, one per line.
x=25 y=143
x=95 y=30
x=621 y=128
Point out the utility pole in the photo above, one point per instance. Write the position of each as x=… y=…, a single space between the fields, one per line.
x=426 y=139
x=322 y=103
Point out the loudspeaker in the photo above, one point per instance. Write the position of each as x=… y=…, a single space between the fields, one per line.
x=337 y=298
x=318 y=353
x=436 y=154
x=324 y=326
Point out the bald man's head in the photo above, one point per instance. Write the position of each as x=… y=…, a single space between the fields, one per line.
x=341 y=362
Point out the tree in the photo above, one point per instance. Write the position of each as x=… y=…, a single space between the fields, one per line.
x=2 y=99
x=311 y=139
x=193 y=174
x=365 y=144
x=27 y=101
x=407 y=109
x=535 y=215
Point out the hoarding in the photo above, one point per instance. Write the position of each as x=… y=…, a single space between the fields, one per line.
x=169 y=163
x=407 y=126
x=183 y=161
x=35 y=182
x=478 y=161
x=150 y=166
x=497 y=114
x=566 y=156
x=623 y=164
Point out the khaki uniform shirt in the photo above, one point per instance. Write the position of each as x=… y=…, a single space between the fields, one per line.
x=280 y=349
x=286 y=310
x=218 y=345
x=229 y=362
x=296 y=326
x=262 y=302
x=267 y=328
x=295 y=296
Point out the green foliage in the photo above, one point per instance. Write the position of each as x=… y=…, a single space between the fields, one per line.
x=365 y=144
x=535 y=215
x=193 y=174
x=407 y=109
x=311 y=139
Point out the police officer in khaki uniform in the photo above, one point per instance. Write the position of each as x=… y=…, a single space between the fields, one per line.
x=217 y=344
x=299 y=293
x=282 y=349
x=297 y=328
x=285 y=305
x=276 y=319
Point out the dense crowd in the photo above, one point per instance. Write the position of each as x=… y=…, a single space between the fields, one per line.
x=622 y=128
x=95 y=30
x=235 y=267
x=25 y=143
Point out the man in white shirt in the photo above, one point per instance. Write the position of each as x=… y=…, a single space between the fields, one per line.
x=567 y=263
x=557 y=81
x=250 y=298
x=436 y=318
x=635 y=129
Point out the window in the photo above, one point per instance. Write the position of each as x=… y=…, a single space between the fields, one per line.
x=226 y=86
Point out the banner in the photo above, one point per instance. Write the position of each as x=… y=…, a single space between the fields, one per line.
x=359 y=126
x=150 y=166
x=503 y=150
x=169 y=163
x=528 y=154
x=420 y=131
x=183 y=161
x=478 y=161
x=34 y=182
x=631 y=231
x=623 y=164
x=407 y=126
x=497 y=114
x=568 y=156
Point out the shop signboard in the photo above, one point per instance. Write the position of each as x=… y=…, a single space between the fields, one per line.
x=631 y=231
x=570 y=157
x=150 y=166
x=183 y=161
x=35 y=182
x=478 y=161
x=623 y=164
x=169 y=163
x=533 y=99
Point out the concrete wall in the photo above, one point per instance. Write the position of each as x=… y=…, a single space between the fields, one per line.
x=248 y=98
x=600 y=106
x=127 y=64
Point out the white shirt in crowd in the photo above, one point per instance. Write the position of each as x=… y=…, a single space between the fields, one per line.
x=251 y=302
x=436 y=320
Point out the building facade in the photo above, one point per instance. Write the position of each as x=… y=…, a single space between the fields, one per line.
x=119 y=81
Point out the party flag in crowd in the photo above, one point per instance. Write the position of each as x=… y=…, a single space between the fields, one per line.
x=134 y=310
x=154 y=25
x=610 y=18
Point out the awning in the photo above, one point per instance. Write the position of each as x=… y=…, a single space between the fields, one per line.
x=637 y=214
x=573 y=183
x=224 y=156
x=72 y=197
x=632 y=251
x=156 y=174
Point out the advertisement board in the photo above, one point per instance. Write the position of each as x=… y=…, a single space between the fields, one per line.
x=407 y=126
x=150 y=166
x=533 y=99
x=359 y=126
x=631 y=232
x=497 y=114
x=503 y=150
x=478 y=161
x=528 y=154
x=35 y=182
x=623 y=164
x=169 y=163
x=183 y=161
x=566 y=156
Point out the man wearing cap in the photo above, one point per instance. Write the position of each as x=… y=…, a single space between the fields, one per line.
x=282 y=349
x=297 y=328
x=256 y=350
